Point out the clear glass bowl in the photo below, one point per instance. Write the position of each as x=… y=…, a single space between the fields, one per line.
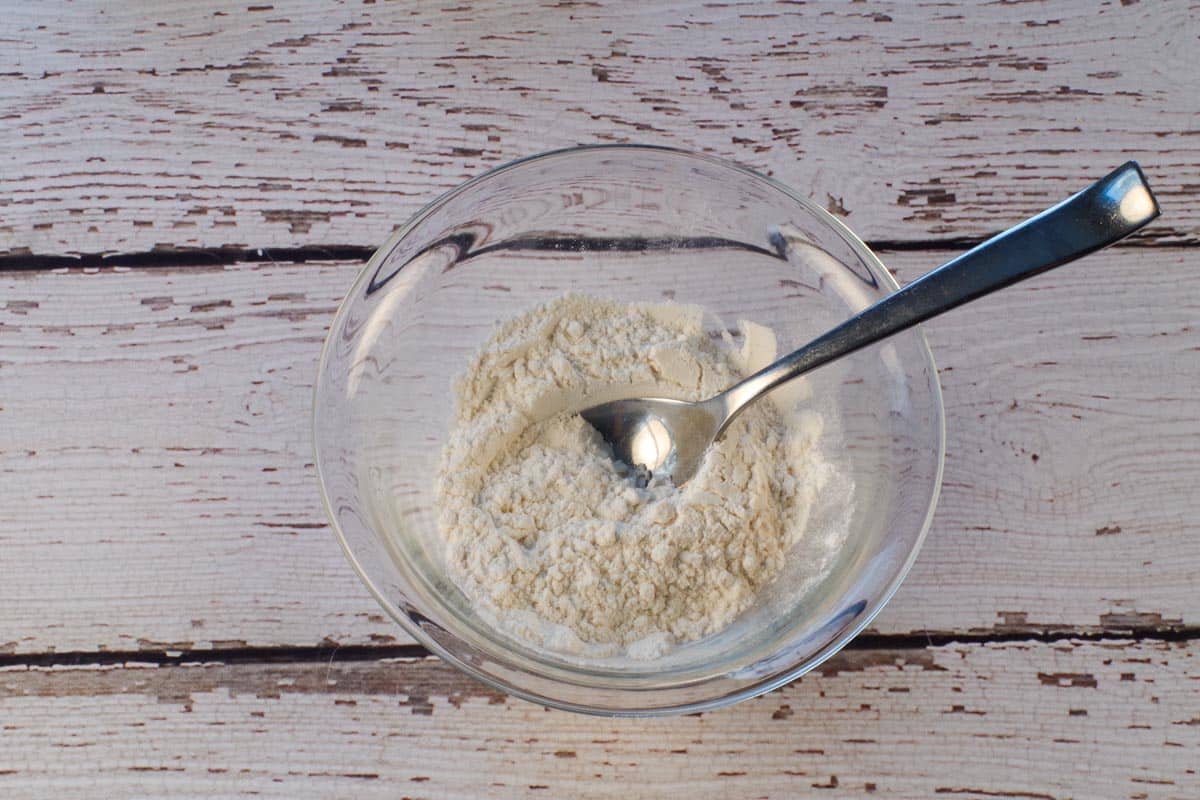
x=628 y=223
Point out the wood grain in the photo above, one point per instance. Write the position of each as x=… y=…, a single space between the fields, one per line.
x=1018 y=720
x=286 y=125
x=160 y=495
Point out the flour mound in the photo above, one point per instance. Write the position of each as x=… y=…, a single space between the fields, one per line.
x=553 y=544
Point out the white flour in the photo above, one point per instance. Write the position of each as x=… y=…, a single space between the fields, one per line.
x=553 y=545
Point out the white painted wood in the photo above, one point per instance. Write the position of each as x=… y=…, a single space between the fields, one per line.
x=156 y=485
x=1017 y=720
x=158 y=463
x=158 y=491
x=130 y=127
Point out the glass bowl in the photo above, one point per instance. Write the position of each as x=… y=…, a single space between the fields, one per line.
x=627 y=223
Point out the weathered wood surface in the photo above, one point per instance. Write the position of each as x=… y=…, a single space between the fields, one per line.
x=155 y=457
x=976 y=722
x=131 y=128
x=159 y=492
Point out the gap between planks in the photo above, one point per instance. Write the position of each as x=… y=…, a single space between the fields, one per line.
x=224 y=256
x=366 y=653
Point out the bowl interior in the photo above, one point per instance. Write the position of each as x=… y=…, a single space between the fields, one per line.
x=630 y=224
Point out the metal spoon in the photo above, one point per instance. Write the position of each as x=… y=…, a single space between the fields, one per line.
x=670 y=437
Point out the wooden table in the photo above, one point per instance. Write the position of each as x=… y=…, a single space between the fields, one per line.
x=188 y=191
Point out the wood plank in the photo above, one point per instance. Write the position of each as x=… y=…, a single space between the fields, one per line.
x=1019 y=720
x=159 y=491
x=282 y=126
x=159 y=457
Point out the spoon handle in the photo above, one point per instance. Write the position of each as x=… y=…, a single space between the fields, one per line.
x=1103 y=213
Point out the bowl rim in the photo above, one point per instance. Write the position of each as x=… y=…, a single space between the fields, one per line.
x=752 y=690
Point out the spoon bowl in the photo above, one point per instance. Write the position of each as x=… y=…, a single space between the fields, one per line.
x=657 y=435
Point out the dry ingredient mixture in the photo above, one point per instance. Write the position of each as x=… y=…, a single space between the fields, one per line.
x=554 y=545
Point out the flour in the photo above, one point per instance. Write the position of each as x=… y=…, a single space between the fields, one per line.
x=560 y=549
